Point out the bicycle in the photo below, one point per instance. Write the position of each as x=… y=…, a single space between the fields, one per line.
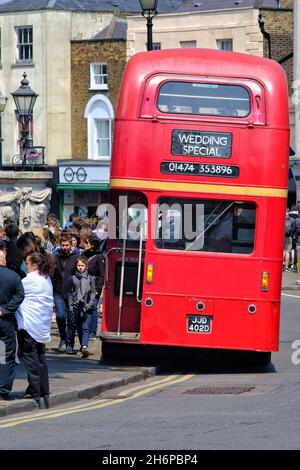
x=28 y=158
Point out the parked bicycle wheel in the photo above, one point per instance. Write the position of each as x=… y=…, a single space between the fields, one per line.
x=30 y=160
x=17 y=160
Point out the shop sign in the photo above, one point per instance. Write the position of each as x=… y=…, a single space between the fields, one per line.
x=201 y=143
x=70 y=174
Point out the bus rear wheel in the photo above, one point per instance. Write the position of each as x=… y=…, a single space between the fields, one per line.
x=118 y=351
x=257 y=358
x=109 y=351
x=263 y=358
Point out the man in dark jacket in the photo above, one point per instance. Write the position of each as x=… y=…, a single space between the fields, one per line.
x=11 y=296
x=64 y=270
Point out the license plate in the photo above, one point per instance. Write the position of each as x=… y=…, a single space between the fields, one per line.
x=199 y=323
x=200 y=169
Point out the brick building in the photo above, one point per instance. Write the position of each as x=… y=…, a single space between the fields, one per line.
x=97 y=65
x=35 y=38
x=280 y=25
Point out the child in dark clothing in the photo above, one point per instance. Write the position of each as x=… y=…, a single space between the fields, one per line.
x=81 y=300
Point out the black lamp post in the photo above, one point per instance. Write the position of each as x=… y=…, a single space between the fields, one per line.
x=149 y=10
x=24 y=98
x=267 y=36
x=3 y=100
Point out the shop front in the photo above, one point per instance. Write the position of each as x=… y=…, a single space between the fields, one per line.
x=83 y=189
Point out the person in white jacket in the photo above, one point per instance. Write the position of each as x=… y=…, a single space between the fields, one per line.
x=34 y=318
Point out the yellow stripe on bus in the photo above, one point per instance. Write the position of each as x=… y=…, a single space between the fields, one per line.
x=198 y=188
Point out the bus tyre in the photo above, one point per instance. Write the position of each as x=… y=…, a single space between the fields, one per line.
x=256 y=358
x=108 y=351
x=263 y=358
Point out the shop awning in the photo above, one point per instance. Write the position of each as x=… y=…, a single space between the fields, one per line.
x=82 y=187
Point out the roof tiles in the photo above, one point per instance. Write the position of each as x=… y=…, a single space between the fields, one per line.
x=206 y=5
x=125 y=6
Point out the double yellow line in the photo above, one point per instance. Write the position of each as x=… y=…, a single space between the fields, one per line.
x=129 y=394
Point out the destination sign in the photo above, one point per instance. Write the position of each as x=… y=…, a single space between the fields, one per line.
x=201 y=143
x=199 y=169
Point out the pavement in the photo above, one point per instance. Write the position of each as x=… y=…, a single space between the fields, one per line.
x=73 y=378
x=289 y=281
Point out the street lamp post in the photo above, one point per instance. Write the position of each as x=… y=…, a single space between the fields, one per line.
x=3 y=100
x=266 y=35
x=149 y=10
x=24 y=98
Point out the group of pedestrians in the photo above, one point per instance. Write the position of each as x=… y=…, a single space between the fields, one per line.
x=40 y=270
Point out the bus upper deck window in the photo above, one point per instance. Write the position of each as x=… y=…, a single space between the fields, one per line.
x=212 y=99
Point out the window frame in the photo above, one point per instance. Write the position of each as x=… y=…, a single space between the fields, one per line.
x=156 y=46
x=186 y=82
x=98 y=107
x=93 y=84
x=235 y=225
x=223 y=41
x=21 y=46
x=98 y=139
x=187 y=44
x=256 y=89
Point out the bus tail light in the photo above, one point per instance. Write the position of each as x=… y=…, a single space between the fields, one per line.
x=265 y=281
x=149 y=274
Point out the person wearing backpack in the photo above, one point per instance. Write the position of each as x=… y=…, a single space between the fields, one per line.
x=288 y=250
x=294 y=215
x=81 y=302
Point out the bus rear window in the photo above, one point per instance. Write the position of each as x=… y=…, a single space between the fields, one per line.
x=208 y=99
x=206 y=225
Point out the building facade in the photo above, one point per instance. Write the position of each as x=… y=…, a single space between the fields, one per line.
x=97 y=66
x=35 y=38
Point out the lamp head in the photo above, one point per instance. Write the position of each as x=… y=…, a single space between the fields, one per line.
x=24 y=98
x=148 y=5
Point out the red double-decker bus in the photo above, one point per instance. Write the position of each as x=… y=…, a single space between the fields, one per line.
x=199 y=183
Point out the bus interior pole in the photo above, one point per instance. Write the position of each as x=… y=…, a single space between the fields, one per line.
x=122 y=275
x=138 y=282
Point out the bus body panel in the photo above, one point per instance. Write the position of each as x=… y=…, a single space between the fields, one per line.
x=204 y=63
x=232 y=326
x=228 y=284
x=249 y=144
